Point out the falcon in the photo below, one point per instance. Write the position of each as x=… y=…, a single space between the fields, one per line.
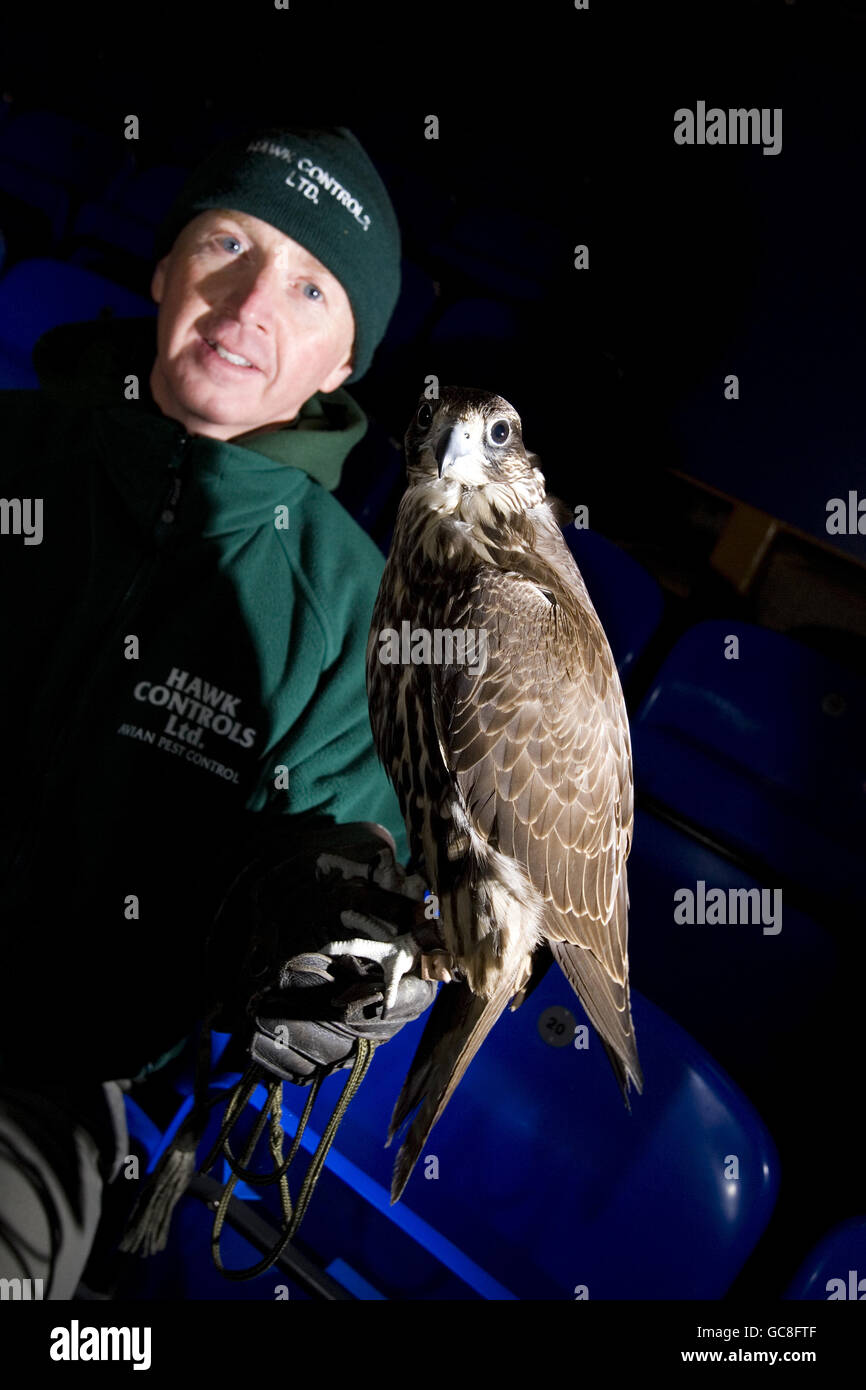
x=506 y=737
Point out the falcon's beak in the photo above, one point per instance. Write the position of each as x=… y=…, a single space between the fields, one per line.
x=460 y=441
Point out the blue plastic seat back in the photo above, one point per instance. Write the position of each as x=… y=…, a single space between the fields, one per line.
x=537 y=1183
x=47 y=205
x=82 y=159
x=39 y=294
x=836 y=1268
x=766 y=752
x=128 y=220
x=731 y=983
x=52 y=163
x=544 y=1179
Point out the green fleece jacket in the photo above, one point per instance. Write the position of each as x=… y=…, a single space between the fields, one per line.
x=182 y=637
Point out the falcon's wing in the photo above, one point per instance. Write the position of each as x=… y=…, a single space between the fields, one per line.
x=539 y=745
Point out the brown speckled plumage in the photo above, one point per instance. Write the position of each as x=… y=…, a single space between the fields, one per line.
x=515 y=781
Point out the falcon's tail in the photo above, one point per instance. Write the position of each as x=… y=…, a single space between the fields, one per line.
x=458 y=1024
x=607 y=1006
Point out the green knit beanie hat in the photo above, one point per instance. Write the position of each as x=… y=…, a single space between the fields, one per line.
x=320 y=188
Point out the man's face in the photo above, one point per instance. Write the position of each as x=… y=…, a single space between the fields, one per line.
x=234 y=280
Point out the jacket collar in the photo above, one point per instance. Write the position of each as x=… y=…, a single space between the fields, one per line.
x=88 y=363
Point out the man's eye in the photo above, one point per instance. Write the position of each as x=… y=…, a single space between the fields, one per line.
x=317 y=292
x=232 y=239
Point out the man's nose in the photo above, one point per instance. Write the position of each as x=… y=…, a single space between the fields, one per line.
x=253 y=295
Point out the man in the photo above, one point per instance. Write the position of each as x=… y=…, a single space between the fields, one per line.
x=183 y=650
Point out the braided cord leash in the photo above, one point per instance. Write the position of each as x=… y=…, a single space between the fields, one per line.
x=254 y=1076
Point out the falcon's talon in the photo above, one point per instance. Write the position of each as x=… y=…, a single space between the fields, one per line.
x=397 y=955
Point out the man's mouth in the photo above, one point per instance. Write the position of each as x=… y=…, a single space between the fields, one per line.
x=233 y=357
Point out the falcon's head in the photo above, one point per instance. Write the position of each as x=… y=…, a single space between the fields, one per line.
x=466 y=458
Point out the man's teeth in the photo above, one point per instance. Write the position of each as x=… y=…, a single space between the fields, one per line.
x=230 y=356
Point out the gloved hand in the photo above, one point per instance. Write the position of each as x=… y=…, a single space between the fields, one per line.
x=305 y=1008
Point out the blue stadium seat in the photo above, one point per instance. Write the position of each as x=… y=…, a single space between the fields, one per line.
x=39 y=294
x=626 y=597
x=50 y=164
x=545 y=1183
x=767 y=753
x=127 y=220
x=735 y=988
x=836 y=1268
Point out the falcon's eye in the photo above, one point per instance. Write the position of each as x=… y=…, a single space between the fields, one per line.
x=424 y=416
x=500 y=431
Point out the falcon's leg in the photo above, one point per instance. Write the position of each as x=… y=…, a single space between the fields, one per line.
x=397 y=954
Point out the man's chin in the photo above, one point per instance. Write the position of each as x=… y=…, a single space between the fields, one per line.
x=224 y=413
x=212 y=414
